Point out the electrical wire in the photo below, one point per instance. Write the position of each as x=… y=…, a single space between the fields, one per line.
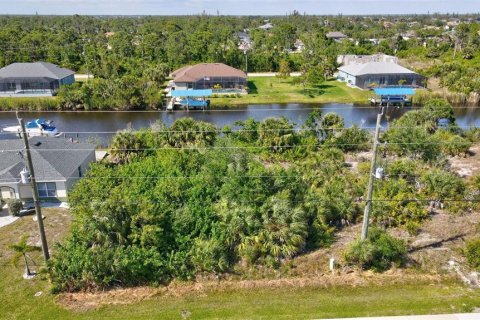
x=222 y=131
x=237 y=147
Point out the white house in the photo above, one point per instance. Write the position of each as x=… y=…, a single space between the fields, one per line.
x=379 y=74
x=57 y=163
x=348 y=59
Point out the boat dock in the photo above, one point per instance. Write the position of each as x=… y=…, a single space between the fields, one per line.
x=189 y=99
x=396 y=96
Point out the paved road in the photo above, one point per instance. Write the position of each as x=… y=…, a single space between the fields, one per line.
x=465 y=316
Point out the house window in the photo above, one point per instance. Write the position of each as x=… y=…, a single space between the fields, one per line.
x=47 y=189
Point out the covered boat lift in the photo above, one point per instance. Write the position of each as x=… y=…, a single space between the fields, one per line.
x=392 y=96
x=190 y=99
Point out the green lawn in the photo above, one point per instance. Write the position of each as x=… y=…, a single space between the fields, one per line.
x=274 y=90
x=28 y=103
x=18 y=301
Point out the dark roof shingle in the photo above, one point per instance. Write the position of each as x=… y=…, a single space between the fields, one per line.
x=53 y=159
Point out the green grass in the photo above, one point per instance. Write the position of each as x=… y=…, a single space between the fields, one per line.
x=265 y=90
x=29 y=103
x=17 y=300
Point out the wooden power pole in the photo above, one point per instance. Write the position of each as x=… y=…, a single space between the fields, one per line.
x=368 y=206
x=36 y=201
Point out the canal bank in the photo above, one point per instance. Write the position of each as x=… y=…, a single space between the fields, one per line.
x=103 y=124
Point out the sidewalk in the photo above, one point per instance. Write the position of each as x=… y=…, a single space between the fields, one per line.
x=6 y=219
x=464 y=316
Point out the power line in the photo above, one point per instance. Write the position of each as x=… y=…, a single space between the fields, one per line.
x=273 y=200
x=333 y=145
x=220 y=130
x=286 y=177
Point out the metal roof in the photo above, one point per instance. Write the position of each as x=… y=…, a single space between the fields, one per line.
x=34 y=70
x=336 y=34
x=375 y=68
x=394 y=91
x=53 y=159
x=192 y=93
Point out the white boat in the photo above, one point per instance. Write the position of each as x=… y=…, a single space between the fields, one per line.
x=35 y=128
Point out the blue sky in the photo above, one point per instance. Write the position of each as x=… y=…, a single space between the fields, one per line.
x=235 y=7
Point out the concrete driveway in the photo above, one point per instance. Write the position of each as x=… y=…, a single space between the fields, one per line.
x=5 y=218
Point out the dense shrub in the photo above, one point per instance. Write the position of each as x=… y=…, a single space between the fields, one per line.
x=438 y=185
x=451 y=144
x=472 y=253
x=350 y=139
x=379 y=252
x=14 y=207
x=125 y=93
x=194 y=210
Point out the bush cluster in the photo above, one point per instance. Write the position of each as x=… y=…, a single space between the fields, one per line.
x=472 y=253
x=14 y=207
x=379 y=252
x=208 y=209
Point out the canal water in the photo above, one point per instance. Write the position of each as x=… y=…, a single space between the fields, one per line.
x=101 y=125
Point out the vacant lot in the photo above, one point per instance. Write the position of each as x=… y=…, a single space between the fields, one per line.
x=275 y=90
x=316 y=296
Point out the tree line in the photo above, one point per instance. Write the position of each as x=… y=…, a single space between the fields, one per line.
x=118 y=49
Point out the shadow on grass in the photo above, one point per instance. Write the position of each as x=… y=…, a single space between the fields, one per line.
x=323 y=86
x=312 y=92
x=252 y=87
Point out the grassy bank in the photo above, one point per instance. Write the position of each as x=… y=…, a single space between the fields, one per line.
x=29 y=104
x=264 y=90
x=18 y=300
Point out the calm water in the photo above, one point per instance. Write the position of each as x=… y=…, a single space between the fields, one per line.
x=96 y=124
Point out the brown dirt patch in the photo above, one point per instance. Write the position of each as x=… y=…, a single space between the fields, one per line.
x=467 y=166
x=57 y=222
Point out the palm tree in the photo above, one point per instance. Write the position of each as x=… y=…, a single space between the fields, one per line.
x=21 y=249
x=281 y=233
x=126 y=146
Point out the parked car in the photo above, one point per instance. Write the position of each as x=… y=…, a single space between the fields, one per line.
x=26 y=211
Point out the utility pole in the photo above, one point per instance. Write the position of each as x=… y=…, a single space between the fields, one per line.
x=36 y=201
x=368 y=207
x=246 y=60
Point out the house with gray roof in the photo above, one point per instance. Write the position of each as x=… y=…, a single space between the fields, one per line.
x=336 y=35
x=379 y=74
x=348 y=59
x=58 y=164
x=267 y=26
x=33 y=79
